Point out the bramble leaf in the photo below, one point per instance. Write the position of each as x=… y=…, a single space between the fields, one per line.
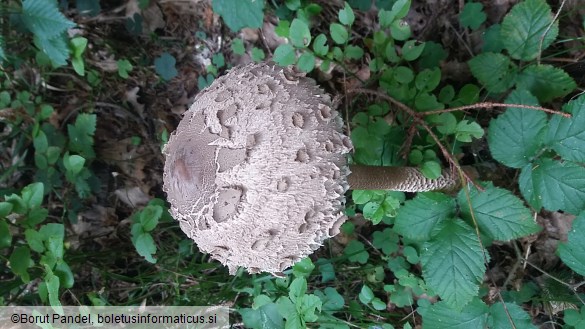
x=498 y=213
x=44 y=19
x=523 y=27
x=516 y=136
x=442 y=316
x=545 y=82
x=554 y=185
x=418 y=218
x=495 y=71
x=567 y=135
x=499 y=318
x=572 y=252
x=453 y=263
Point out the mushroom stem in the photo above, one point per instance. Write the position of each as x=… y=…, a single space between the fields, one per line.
x=406 y=179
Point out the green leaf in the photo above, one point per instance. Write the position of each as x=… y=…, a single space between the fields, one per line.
x=411 y=51
x=320 y=45
x=445 y=123
x=266 y=317
x=572 y=252
x=431 y=169
x=400 y=30
x=567 y=135
x=353 y=52
x=5 y=236
x=20 y=261
x=63 y=271
x=331 y=300
x=124 y=66
x=238 y=47
x=500 y=317
x=257 y=54
x=516 y=136
x=300 y=36
x=495 y=71
x=81 y=135
x=44 y=19
x=492 y=42
x=400 y=8
x=338 y=33
x=165 y=66
x=284 y=55
x=306 y=62
x=297 y=288
x=34 y=240
x=554 y=185
x=32 y=195
x=545 y=82
x=432 y=55
x=427 y=79
x=498 y=213
x=303 y=268
x=150 y=216
x=442 y=316
x=523 y=28
x=472 y=15
x=465 y=130
x=419 y=217
x=73 y=163
x=453 y=263
x=386 y=18
x=145 y=247
x=366 y=295
x=355 y=252
x=386 y=240
x=55 y=48
x=346 y=16
x=238 y=14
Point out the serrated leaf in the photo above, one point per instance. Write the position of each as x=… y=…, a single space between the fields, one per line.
x=472 y=15
x=55 y=48
x=386 y=240
x=453 y=263
x=567 y=135
x=554 y=185
x=419 y=217
x=500 y=317
x=572 y=252
x=492 y=42
x=338 y=33
x=165 y=66
x=498 y=213
x=516 y=136
x=545 y=82
x=81 y=135
x=355 y=252
x=442 y=316
x=523 y=28
x=495 y=71
x=238 y=14
x=284 y=55
x=299 y=36
x=44 y=19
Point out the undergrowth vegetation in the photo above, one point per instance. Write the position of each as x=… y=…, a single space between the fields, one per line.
x=485 y=256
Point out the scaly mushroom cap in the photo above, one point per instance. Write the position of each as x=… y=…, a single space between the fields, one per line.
x=255 y=172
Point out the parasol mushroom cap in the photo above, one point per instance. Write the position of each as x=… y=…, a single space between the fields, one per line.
x=256 y=170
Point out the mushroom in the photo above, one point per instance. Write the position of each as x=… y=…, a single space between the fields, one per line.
x=256 y=171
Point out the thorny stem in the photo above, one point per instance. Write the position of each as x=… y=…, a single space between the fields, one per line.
x=419 y=120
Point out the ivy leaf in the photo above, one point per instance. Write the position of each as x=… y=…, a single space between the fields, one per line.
x=299 y=36
x=545 y=81
x=165 y=66
x=516 y=136
x=466 y=129
x=495 y=71
x=567 y=135
x=238 y=14
x=441 y=316
x=418 y=218
x=453 y=264
x=499 y=318
x=498 y=212
x=472 y=15
x=523 y=27
x=554 y=185
x=572 y=252
x=284 y=55
x=44 y=19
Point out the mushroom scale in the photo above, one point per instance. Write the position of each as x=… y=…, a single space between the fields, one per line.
x=256 y=170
